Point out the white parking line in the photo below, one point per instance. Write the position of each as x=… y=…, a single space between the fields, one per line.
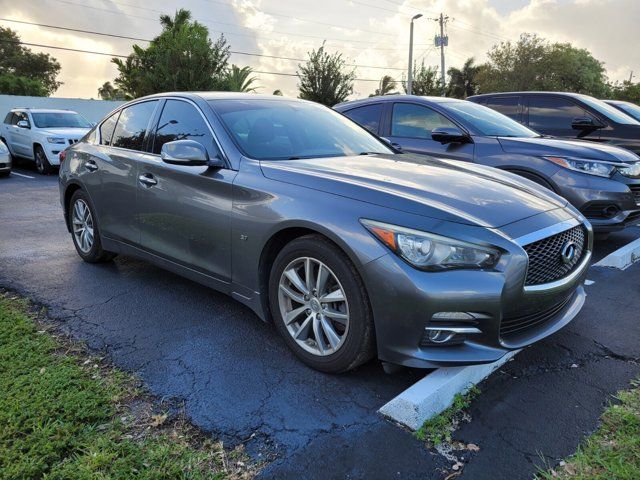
x=22 y=175
x=434 y=393
x=623 y=257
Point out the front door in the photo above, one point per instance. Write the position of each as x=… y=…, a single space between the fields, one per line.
x=184 y=212
x=411 y=125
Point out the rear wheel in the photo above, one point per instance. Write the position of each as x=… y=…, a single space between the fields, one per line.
x=84 y=230
x=42 y=164
x=320 y=306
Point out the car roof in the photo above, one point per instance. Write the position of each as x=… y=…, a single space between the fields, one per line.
x=42 y=110
x=220 y=96
x=528 y=93
x=616 y=102
x=390 y=98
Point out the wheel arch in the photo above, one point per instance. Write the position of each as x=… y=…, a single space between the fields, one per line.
x=533 y=176
x=70 y=189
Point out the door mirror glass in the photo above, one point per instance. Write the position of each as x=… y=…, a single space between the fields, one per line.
x=187 y=153
x=23 y=124
x=449 y=135
x=584 y=123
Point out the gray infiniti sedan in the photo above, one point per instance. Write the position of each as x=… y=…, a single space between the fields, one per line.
x=349 y=248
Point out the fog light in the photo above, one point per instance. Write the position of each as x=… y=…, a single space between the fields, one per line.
x=440 y=336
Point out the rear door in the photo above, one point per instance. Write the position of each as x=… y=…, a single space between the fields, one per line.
x=553 y=115
x=185 y=211
x=411 y=125
x=112 y=169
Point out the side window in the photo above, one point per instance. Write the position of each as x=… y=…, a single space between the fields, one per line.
x=553 y=113
x=182 y=121
x=416 y=121
x=19 y=116
x=106 y=129
x=8 y=118
x=367 y=116
x=505 y=105
x=132 y=126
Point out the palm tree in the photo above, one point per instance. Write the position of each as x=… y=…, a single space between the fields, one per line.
x=181 y=17
x=240 y=80
x=463 y=82
x=385 y=87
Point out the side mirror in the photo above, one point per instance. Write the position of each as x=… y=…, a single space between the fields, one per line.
x=188 y=153
x=23 y=124
x=395 y=145
x=446 y=135
x=584 y=123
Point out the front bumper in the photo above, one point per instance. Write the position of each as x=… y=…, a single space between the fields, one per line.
x=405 y=301
x=610 y=204
x=5 y=163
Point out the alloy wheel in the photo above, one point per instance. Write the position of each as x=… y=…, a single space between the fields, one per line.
x=39 y=162
x=313 y=306
x=82 y=222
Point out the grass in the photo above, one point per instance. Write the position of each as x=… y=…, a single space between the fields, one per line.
x=613 y=451
x=438 y=429
x=67 y=415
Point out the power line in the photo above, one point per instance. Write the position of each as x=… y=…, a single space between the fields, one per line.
x=93 y=52
x=237 y=52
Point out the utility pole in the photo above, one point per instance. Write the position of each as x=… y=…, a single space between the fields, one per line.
x=410 y=71
x=442 y=41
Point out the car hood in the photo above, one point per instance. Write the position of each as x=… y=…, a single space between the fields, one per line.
x=442 y=189
x=569 y=148
x=66 y=131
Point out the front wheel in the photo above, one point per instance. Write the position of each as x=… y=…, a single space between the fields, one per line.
x=320 y=306
x=42 y=164
x=84 y=230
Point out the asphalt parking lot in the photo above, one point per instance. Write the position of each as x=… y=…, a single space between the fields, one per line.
x=239 y=382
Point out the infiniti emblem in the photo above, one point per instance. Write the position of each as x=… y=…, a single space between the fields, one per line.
x=568 y=252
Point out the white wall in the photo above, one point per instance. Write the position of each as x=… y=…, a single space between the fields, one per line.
x=92 y=110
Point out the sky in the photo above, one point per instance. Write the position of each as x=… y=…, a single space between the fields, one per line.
x=368 y=33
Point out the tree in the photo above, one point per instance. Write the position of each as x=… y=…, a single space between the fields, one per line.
x=181 y=58
x=277 y=92
x=386 y=86
x=324 y=78
x=463 y=81
x=426 y=81
x=534 y=64
x=109 y=92
x=626 y=90
x=23 y=72
x=239 y=79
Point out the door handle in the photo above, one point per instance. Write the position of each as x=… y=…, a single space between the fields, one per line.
x=91 y=166
x=147 y=180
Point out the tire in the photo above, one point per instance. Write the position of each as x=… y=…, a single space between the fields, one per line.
x=88 y=247
x=344 y=343
x=5 y=174
x=42 y=164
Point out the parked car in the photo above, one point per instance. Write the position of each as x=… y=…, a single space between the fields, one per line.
x=601 y=181
x=5 y=160
x=314 y=223
x=41 y=134
x=629 y=108
x=567 y=115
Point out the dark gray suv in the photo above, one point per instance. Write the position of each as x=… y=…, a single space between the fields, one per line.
x=350 y=249
x=603 y=182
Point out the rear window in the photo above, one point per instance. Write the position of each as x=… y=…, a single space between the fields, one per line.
x=367 y=116
x=508 y=106
x=132 y=126
x=106 y=129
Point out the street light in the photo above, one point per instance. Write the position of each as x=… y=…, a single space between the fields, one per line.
x=410 y=72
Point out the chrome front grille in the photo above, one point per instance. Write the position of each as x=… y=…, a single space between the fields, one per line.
x=635 y=189
x=546 y=260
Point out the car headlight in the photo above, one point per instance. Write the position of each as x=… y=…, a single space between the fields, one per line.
x=58 y=140
x=630 y=170
x=428 y=251
x=591 y=167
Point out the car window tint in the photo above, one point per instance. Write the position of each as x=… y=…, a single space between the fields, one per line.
x=182 y=121
x=505 y=105
x=18 y=116
x=107 y=128
x=7 y=119
x=132 y=126
x=416 y=121
x=548 y=113
x=367 y=116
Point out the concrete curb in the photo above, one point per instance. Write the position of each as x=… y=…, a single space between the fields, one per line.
x=623 y=257
x=434 y=393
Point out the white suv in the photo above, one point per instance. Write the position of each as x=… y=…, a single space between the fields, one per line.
x=41 y=134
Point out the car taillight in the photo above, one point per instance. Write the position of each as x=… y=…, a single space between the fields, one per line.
x=62 y=156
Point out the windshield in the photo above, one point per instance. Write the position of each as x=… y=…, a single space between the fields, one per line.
x=280 y=129
x=612 y=113
x=59 y=120
x=630 y=109
x=487 y=121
